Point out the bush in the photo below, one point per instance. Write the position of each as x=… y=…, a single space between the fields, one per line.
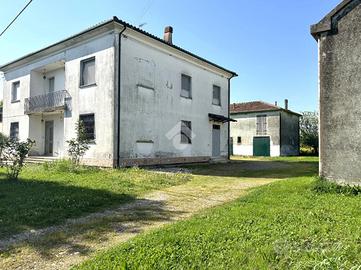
x=325 y=186
x=66 y=165
x=78 y=145
x=3 y=142
x=15 y=153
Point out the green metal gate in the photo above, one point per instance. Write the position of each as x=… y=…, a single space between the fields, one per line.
x=261 y=147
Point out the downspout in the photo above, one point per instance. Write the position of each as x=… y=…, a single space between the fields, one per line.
x=229 y=116
x=119 y=90
x=280 y=133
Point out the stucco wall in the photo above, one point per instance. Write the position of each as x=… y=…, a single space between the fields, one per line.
x=152 y=108
x=97 y=99
x=290 y=134
x=246 y=127
x=340 y=96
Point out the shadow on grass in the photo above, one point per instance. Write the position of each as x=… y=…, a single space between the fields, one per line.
x=257 y=169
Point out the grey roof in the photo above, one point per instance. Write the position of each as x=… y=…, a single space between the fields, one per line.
x=127 y=25
x=329 y=24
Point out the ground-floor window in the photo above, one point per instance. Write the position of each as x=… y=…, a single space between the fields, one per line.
x=89 y=125
x=186 y=132
x=14 y=130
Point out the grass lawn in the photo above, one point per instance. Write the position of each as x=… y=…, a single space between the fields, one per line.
x=284 y=225
x=43 y=197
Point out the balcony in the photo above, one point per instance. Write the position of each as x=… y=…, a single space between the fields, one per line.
x=51 y=102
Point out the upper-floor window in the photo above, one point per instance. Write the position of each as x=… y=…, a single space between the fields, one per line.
x=216 y=95
x=15 y=91
x=89 y=125
x=87 y=72
x=261 y=124
x=186 y=87
x=186 y=132
x=51 y=84
x=14 y=130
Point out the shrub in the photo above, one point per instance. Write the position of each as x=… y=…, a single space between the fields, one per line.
x=15 y=153
x=3 y=142
x=78 y=145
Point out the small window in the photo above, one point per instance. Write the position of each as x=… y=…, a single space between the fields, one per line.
x=261 y=125
x=186 y=132
x=186 y=90
x=1 y=114
x=239 y=139
x=89 y=125
x=51 y=84
x=87 y=72
x=15 y=91
x=14 y=130
x=216 y=95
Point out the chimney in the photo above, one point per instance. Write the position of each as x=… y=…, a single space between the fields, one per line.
x=286 y=104
x=168 y=31
x=276 y=103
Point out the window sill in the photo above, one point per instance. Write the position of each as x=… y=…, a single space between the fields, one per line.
x=92 y=142
x=186 y=97
x=218 y=105
x=87 y=85
x=15 y=101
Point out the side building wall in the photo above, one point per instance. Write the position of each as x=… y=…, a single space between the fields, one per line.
x=290 y=134
x=246 y=128
x=151 y=107
x=340 y=97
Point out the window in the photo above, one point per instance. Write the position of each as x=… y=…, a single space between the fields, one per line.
x=261 y=125
x=186 y=132
x=51 y=84
x=216 y=95
x=87 y=72
x=15 y=91
x=186 y=90
x=1 y=114
x=89 y=125
x=14 y=130
x=239 y=139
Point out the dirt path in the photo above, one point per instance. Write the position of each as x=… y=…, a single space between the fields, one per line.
x=60 y=247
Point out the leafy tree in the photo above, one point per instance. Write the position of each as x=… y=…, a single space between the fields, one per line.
x=309 y=131
x=78 y=145
x=15 y=153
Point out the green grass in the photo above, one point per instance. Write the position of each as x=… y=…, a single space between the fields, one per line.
x=46 y=195
x=291 y=224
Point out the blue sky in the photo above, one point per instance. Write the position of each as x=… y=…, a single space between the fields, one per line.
x=266 y=42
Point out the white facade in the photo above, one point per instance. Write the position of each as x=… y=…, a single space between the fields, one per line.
x=136 y=123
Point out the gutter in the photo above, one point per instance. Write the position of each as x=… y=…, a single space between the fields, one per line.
x=119 y=90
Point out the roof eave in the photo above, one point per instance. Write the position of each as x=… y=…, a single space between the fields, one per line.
x=270 y=110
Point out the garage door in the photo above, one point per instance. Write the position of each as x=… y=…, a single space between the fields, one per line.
x=261 y=146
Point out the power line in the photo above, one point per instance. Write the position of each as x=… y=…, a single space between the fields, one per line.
x=7 y=27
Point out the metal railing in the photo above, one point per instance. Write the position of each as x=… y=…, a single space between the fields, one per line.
x=47 y=103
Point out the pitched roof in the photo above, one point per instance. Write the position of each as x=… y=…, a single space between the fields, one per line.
x=329 y=24
x=126 y=25
x=256 y=106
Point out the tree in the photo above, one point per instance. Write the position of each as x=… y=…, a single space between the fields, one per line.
x=309 y=131
x=3 y=143
x=14 y=154
x=78 y=145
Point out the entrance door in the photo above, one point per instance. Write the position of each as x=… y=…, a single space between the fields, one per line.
x=261 y=146
x=216 y=141
x=49 y=137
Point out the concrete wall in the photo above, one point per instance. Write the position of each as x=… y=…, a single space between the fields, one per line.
x=152 y=108
x=290 y=134
x=246 y=127
x=340 y=97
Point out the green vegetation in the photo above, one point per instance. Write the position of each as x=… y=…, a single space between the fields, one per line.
x=47 y=195
x=296 y=223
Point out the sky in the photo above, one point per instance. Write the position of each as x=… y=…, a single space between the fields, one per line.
x=267 y=43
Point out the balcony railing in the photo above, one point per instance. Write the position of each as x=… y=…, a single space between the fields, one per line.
x=47 y=103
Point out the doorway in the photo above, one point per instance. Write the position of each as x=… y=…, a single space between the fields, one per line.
x=216 y=140
x=261 y=147
x=49 y=137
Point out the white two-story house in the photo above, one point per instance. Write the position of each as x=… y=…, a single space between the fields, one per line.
x=142 y=99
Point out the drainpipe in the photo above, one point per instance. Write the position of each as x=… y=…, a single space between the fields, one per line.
x=119 y=90
x=229 y=116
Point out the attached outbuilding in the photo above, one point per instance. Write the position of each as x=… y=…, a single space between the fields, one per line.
x=339 y=42
x=263 y=129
